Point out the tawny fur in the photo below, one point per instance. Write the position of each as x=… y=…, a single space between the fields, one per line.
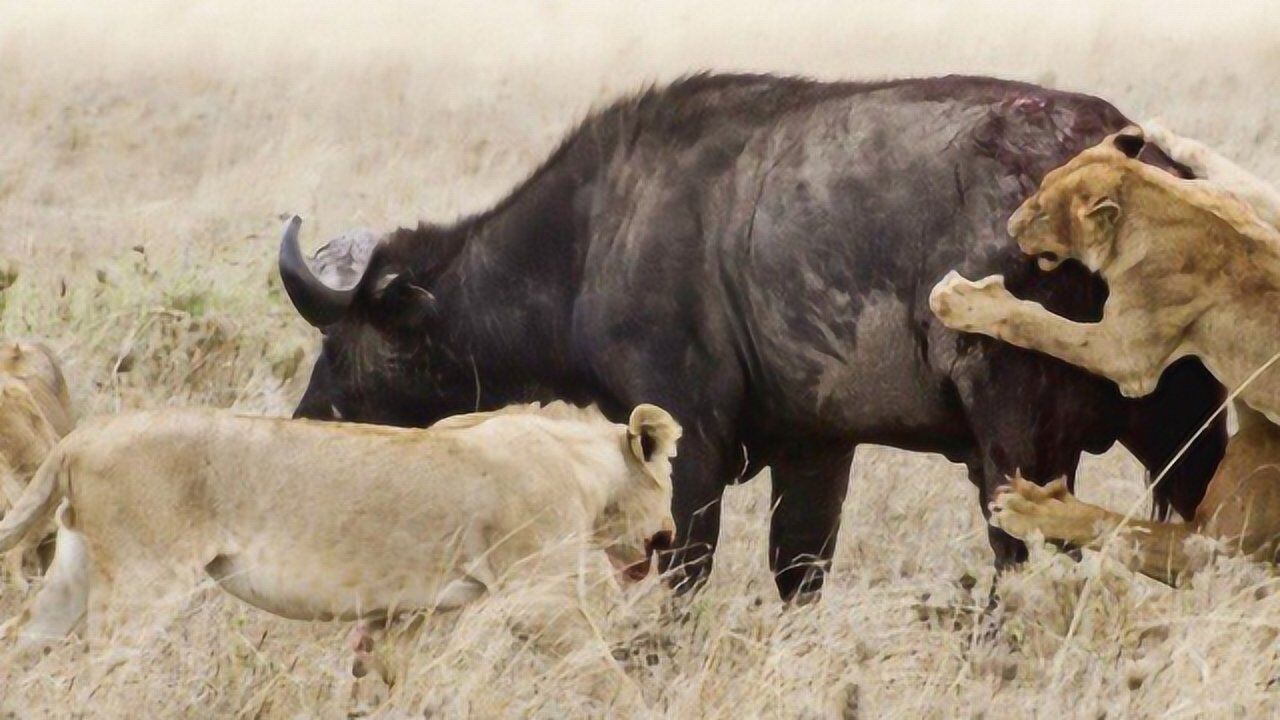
x=313 y=520
x=1193 y=268
x=35 y=412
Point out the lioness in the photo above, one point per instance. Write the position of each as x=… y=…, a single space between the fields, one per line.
x=318 y=521
x=35 y=412
x=1192 y=270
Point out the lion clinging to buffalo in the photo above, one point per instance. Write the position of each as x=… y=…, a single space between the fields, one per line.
x=1193 y=269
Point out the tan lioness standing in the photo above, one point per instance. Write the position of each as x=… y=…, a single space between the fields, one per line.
x=318 y=521
x=1192 y=269
x=35 y=412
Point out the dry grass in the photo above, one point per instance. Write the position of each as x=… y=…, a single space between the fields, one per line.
x=146 y=154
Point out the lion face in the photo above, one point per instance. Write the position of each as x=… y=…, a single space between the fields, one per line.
x=638 y=524
x=1077 y=208
x=30 y=362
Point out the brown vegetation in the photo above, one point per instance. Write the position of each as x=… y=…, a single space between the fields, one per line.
x=147 y=153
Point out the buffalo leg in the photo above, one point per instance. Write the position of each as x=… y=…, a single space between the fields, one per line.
x=700 y=476
x=1160 y=424
x=709 y=455
x=1008 y=550
x=808 y=494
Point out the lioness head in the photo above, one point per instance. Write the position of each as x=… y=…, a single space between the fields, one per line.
x=1075 y=212
x=637 y=521
x=37 y=367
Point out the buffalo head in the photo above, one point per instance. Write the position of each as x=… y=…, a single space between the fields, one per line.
x=377 y=320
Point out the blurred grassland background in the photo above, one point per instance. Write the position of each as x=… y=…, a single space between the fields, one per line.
x=148 y=151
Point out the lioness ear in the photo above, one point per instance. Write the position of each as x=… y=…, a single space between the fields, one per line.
x=1104 y=210
x=652 y=434
x=405 y=302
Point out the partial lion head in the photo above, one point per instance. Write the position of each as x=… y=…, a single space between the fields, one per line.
x=1075 y=212
x=637 y=522
x=37 y=367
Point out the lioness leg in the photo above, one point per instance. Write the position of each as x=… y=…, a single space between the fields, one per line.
x=1025 y=508
x=1127 y=345
x=558 y=619
x=132 y=591
x=1241 y=507
x=368 y=633
x=1242 y=503
x=362 y=641
x=15 y=559
x=61 y=604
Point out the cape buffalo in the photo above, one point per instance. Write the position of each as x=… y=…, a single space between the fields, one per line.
x=755 y=254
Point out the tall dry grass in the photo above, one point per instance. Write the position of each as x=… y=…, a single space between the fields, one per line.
x=147 y=152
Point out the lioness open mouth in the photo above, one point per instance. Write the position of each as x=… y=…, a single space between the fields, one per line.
x=639 y=570
x=1048 y=261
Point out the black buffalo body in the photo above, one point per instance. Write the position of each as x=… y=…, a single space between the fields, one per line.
x=755 y=254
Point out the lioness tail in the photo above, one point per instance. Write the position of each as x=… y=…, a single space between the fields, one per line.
x=37 y=503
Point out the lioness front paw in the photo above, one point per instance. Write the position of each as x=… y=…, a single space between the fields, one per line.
x=970 y=305
x=1023 y=509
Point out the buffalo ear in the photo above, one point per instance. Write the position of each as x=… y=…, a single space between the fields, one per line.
x=401 y=302
x=1130 y=144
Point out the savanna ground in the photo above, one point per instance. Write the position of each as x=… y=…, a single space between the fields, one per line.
x=147 y=155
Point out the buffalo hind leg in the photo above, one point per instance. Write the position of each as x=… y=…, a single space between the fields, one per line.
x=809 y=486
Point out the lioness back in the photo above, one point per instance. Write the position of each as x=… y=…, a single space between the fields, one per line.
x=314 y=519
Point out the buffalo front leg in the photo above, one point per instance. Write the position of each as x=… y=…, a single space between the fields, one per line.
x=809 y=487
x=1017 y=429
x=699 y=479
x=704 y=393
x=1008 y=550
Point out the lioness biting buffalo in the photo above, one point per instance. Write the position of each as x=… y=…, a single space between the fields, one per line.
x=278 y=514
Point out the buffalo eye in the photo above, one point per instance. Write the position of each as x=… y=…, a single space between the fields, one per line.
x=401 y=302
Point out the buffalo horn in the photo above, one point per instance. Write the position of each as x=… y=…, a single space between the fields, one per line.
x=315 y=301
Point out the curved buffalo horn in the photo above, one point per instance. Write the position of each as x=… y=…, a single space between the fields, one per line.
x=315 y=301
